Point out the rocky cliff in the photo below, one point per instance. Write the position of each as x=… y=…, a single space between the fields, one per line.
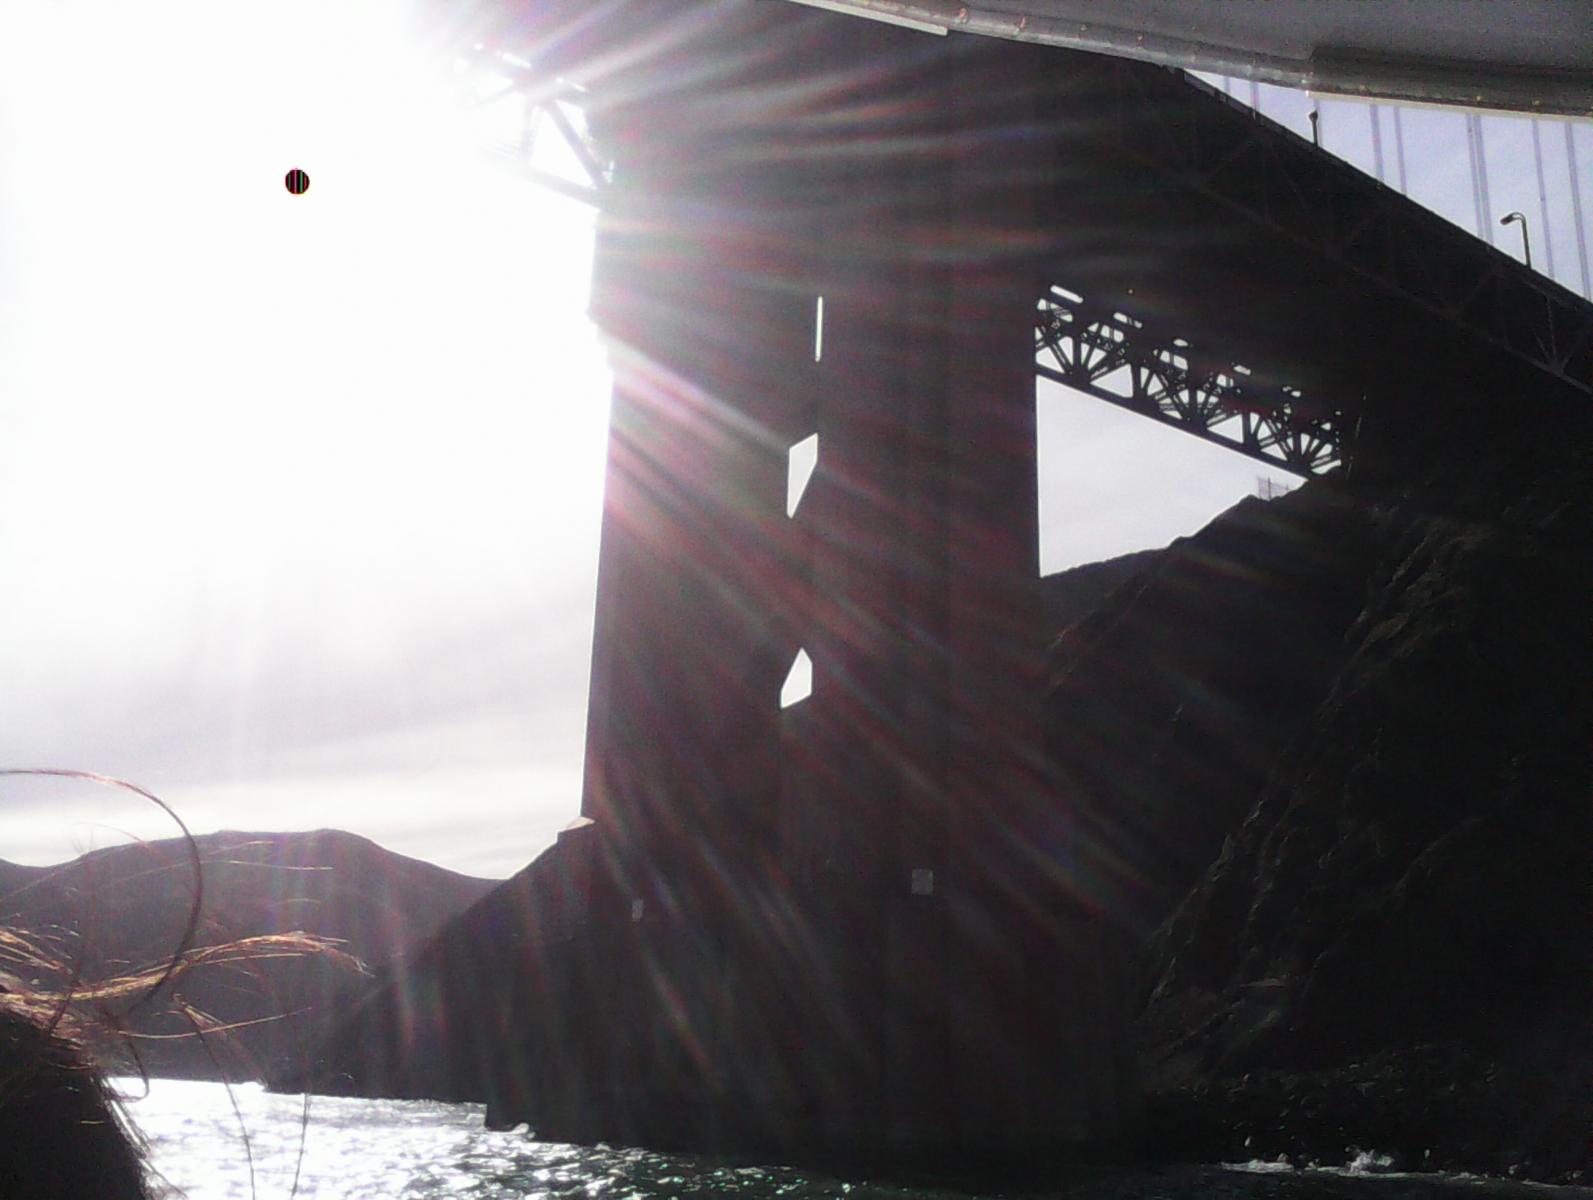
x=1173 y=692
x=1337 y=754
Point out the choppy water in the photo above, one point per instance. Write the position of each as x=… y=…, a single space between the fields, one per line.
x=416 y=1150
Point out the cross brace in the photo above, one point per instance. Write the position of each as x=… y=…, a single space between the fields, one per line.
x=1258 y=168
x=1109 y=356
x=555 y=103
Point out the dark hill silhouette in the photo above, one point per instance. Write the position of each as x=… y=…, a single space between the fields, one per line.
x=126 y=907
x=1078 y=591
x=1392 y=947
x=476 y=973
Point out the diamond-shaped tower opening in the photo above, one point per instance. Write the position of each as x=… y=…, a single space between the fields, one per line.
x=798 y=685
x=801 y=461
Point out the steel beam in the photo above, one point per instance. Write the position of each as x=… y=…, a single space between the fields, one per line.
x=545 y=98
x=1110 y=356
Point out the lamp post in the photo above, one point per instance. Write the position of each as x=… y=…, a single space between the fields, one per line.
x=1526 y=242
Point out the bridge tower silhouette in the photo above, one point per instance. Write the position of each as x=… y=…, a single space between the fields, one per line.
x=853 y=919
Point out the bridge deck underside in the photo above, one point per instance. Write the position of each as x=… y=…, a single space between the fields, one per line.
x=1210 y=227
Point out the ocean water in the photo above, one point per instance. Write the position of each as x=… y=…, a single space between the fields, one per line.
x=253 y=1145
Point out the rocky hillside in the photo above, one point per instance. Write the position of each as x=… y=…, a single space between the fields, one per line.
x=125 y=908
x=1078 y=591
x=480 y=969
x=1174 y=691
x=441 y=1023
x=1337 y=755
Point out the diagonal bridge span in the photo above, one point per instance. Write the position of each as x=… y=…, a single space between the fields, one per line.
x=1326 y=261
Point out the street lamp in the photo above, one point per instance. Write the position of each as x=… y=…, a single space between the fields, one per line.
x=1526 y=242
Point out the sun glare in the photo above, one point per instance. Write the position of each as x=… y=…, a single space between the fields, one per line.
x=362 y=409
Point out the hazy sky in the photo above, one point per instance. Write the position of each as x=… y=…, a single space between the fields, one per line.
x=299 y=496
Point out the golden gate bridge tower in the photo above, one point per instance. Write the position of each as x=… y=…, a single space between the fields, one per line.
x=827 y=894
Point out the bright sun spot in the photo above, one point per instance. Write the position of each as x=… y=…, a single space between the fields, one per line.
x=300 y=495
x=241 y=427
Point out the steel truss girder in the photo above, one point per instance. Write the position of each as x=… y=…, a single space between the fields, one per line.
x=1270 y=175
x=546 y=101
x=1108 y=355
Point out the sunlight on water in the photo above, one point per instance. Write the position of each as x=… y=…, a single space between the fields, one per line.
x=421 y=1150
x=413 y=1149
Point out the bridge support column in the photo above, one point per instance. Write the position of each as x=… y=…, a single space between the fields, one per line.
x=847 y=924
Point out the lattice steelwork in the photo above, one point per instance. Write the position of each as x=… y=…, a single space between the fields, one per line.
x=1108 y=355
x=541 y=103
x=1305 y=194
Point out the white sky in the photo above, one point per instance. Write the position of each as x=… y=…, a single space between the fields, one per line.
x=300 y=496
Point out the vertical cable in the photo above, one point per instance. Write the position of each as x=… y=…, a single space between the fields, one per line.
x=1479 y=179
x=1482 y=176
x=1399 y=148
x=1376 y=111
x=1576 y=209
x=1543 y=199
